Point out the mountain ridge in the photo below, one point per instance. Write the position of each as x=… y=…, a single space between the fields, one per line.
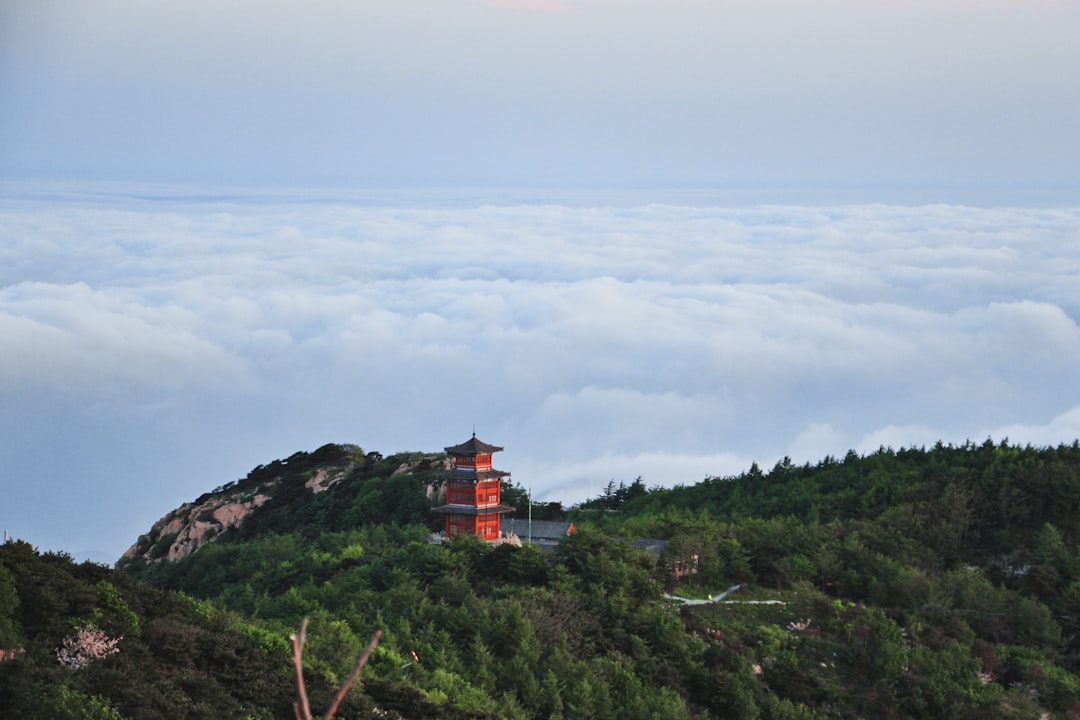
x=230 y=507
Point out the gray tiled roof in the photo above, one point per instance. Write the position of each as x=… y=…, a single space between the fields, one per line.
x=541 y=529
x=653 y=545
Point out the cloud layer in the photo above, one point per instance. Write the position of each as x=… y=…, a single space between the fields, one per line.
x=158 y=346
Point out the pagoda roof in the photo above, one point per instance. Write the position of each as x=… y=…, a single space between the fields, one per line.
x=472 y=446
x=472 y=509
x=470 y=475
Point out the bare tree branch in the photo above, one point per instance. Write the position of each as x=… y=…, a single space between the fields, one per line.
x=301 y=707
x=355 y=674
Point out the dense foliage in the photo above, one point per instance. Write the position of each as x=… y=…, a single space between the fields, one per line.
x=940 y=583
x=147 y=653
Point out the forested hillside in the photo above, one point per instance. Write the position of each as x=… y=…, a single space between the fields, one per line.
x=88 y=642
x=922 y=583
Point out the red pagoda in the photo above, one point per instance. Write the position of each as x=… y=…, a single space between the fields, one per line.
x=473 y=489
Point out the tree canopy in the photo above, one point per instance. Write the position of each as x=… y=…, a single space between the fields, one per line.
x=919 y=583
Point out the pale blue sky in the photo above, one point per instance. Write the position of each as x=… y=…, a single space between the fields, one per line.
x=883 y=98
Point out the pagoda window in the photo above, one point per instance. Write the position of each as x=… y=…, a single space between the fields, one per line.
x=460 y=494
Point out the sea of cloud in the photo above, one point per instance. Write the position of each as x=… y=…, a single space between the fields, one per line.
x=158 y=345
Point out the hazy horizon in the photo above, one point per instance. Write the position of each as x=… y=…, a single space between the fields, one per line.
x=601 y=94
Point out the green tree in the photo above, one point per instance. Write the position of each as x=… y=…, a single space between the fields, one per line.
x=9 y=603
x=60 y=702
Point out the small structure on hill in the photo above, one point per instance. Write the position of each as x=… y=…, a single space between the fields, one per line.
x=678 y=565
x=473 y=491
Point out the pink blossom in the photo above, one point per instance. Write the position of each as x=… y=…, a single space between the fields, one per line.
x=86 y=645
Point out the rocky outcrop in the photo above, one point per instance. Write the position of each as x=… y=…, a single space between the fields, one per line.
x=192 y=525
x=322 y=481
x=287 y=485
